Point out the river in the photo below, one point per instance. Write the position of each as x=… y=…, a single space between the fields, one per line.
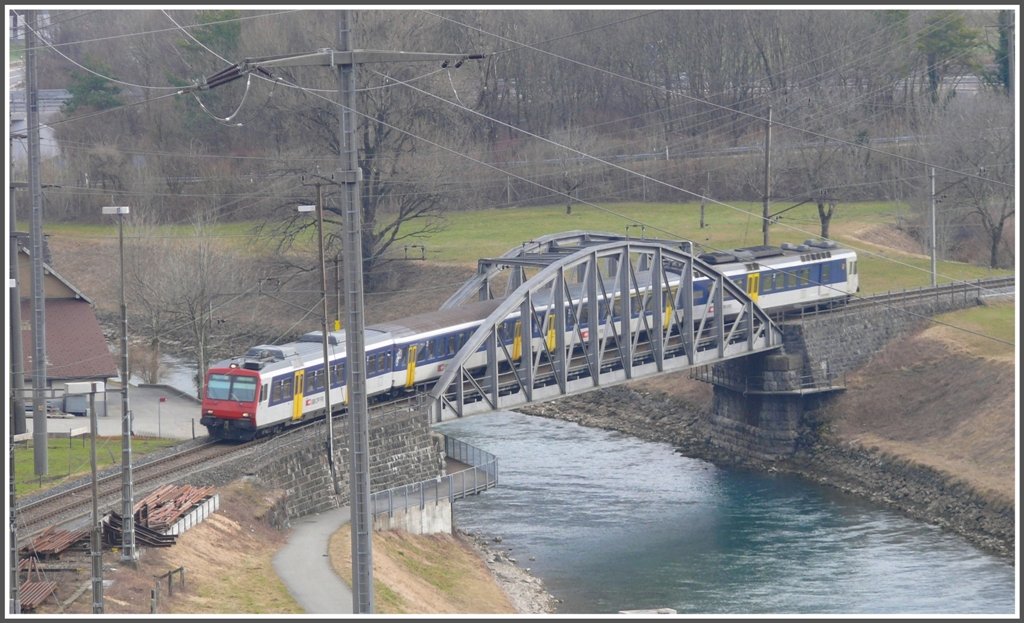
x=611 y=523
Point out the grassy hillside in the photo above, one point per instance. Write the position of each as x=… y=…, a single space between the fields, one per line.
x=868 y=227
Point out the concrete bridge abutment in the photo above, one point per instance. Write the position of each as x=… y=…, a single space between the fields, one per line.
x=768 y=406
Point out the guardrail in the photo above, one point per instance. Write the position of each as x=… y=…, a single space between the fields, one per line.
x=964 y=292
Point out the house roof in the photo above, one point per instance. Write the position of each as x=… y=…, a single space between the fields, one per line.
x=54 y=285
x=75 y=345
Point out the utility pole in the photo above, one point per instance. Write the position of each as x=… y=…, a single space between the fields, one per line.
x=325 y=335
x=128 y=551
x=352 y=247
x=767 y=174
x=703 y=198
x=337 y=291
x=15 y=604
x=38 y=294
x=96 y=540
x=931 y=176
x=346 y=59
x=18 y=424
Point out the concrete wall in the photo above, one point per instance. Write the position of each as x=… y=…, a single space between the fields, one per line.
x=432 y=518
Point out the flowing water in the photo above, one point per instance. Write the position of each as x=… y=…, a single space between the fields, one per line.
x=611 y=523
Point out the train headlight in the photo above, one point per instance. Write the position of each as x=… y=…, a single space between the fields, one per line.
x=245 y=415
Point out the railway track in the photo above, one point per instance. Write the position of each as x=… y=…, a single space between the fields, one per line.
x=959 y=290
x=70 y=506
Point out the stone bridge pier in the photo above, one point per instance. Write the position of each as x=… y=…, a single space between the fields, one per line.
x=768 y=405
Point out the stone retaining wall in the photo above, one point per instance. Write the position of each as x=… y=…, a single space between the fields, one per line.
x=402 y=450
x=747 y=419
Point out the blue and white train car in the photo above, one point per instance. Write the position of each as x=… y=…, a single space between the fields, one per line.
x=273 y=386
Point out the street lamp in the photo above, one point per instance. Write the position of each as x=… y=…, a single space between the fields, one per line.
x=128 y=553
x=324 y=336
x=96 y=552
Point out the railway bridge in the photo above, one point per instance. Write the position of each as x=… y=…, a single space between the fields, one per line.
x=770 y=374
x=628 y=308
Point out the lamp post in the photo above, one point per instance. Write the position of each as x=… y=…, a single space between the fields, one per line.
x=96 y=552
x=319 y=209
x=128 y=553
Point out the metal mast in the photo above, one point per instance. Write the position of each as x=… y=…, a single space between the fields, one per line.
x=38 y=295
x=359 y=489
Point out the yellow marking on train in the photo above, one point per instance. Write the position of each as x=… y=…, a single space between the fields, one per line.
x=410 y=368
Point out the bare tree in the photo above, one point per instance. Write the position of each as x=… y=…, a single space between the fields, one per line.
x=978 y=141
x=178 y=282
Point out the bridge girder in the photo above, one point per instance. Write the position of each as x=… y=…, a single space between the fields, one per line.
x=480 y=287
x=671 y=323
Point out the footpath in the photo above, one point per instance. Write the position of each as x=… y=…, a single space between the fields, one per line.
x=304 y=564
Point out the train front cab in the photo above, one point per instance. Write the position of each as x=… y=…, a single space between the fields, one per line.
x=230 y=402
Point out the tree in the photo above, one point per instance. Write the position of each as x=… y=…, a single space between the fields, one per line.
x=946 y=42
x=90 y=91
x=177 y=284
x=977 y=140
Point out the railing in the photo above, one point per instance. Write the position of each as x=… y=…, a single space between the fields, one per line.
x=804 y=383
x=964 y=292
x=480 y=476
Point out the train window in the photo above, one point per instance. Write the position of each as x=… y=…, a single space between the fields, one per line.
x=826 y=271
x=452 y=348
x=421 y=353
x=281 y=390
x=218 y=386
x=337 y=374
x=224 y=387
x=805 y=276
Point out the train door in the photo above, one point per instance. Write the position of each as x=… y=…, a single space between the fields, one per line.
x=297 y=398
x=410 y=367
x=753 y=285
x=517 y=341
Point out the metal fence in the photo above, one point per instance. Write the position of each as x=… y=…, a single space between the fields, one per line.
x=482 y=474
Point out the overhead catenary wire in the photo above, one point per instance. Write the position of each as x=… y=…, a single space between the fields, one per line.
x=631 y=172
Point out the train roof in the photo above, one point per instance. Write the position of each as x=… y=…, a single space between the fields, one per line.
x=767 y=255
x=437 y=320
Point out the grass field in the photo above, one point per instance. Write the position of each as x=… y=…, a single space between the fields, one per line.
x=69 y=458
x=472 y=235
x=489 y=233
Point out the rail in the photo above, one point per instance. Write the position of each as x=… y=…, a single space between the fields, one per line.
x=480 y=476
x=962 y=291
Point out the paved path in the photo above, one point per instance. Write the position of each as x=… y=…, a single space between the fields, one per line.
x=304 y=566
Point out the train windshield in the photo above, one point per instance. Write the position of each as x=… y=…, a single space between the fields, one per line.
x=226 y=387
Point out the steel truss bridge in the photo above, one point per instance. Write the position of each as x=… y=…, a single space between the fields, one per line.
x=568 y=279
